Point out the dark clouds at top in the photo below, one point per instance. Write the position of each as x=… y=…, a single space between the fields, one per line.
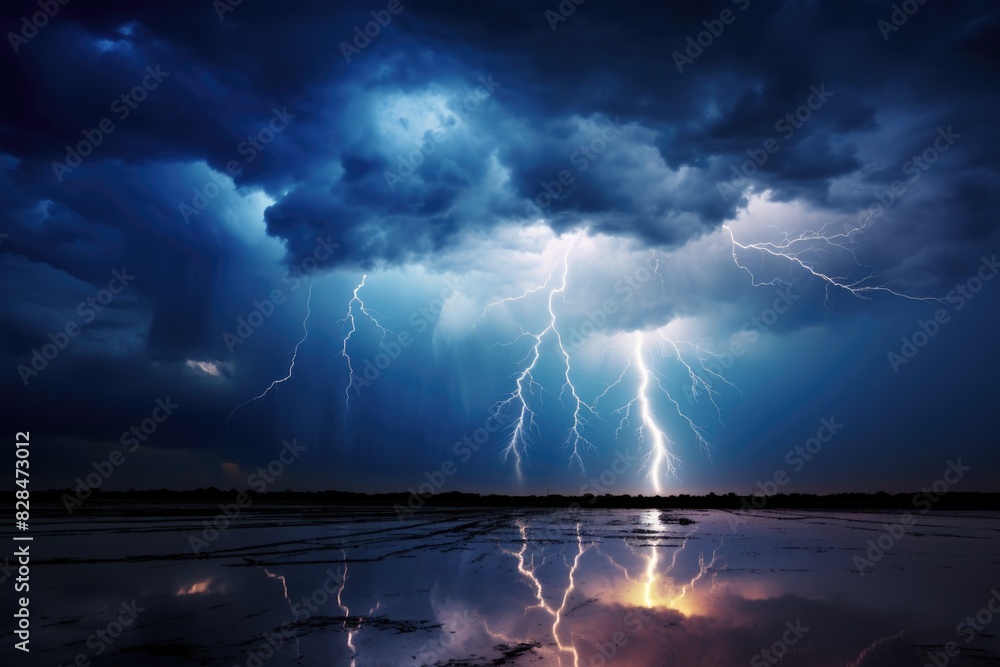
x=656 y=183
x=602 y=62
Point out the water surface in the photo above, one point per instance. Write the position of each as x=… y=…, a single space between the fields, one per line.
x=360 y=587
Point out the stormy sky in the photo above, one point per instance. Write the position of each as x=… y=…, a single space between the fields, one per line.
x=712 y=232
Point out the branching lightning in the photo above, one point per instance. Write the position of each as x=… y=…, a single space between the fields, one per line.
x=291 y=366
x=800 y=250
x=527 y=387
x=660 y=459
x=692 y=358
x=349 y=320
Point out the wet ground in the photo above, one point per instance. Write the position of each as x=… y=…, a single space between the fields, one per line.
x=361 y=587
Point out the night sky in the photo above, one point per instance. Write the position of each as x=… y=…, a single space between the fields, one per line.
x=794 y=198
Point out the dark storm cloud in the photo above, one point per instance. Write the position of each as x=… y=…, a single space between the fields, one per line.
x=602 y=64
x=876 y=109
x=507 y=103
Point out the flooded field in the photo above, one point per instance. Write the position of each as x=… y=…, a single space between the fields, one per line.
x=360 y=587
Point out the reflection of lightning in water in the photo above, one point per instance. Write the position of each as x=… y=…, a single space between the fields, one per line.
x=659 y=586
x=351 y=625
x=703 y=569
x=526 y=385
x=612 y=562
x=295 y=353
x=801 y=250
x=651 y=572
x=651 y=563
x=349 y=319
x=874 y=646
x=288 y=599
x=527 y=570
x=347 y=612
x=284 y=584
x=569 y=589
x=496 y=635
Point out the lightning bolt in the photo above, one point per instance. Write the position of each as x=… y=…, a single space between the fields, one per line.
x=697 y=370
x=693 y=360
x=526 y=386
x=656 y=270
x=349 y=320
x=527 y=569
x=291 y=366
x=660 y=459
x=801 y=250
